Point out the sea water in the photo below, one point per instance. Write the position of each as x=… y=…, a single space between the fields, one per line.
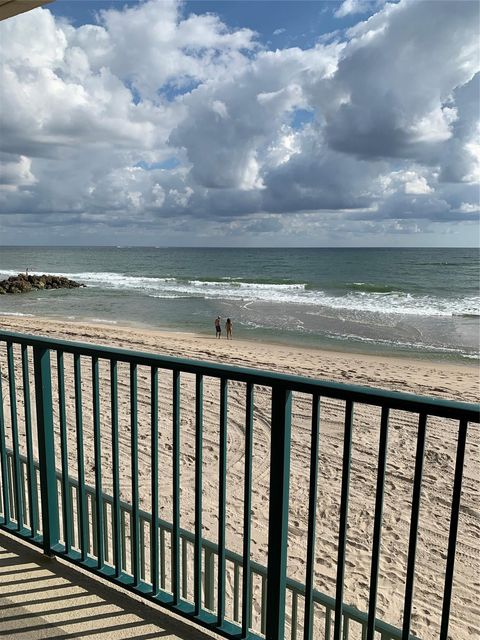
x=422 y=302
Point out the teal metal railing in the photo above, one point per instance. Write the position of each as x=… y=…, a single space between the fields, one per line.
x=45 y=502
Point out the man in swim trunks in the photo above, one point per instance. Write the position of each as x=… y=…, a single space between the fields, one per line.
x=218 y=327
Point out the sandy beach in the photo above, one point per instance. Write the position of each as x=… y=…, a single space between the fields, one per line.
x=431 y=378
x=412 y=375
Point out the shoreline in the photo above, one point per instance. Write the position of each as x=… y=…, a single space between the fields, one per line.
x=413 y=374
x=438 y=357
x=299 y=341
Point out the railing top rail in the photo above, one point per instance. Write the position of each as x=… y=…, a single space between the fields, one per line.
x=356 y=393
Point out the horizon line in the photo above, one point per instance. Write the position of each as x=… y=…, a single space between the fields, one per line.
x=150 y=246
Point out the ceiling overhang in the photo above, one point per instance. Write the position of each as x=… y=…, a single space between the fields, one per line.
x=10 y=8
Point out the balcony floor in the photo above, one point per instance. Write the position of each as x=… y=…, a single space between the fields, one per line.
x=45 y=598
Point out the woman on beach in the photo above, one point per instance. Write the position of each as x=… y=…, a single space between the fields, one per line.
x=228 y=328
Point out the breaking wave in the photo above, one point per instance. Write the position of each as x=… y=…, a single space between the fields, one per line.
x=359 y=296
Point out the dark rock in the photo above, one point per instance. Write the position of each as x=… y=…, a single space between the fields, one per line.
x=23 y=283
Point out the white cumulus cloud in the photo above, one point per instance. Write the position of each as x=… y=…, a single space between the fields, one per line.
x=156 y=118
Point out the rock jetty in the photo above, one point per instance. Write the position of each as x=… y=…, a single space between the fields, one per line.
x=23 y=283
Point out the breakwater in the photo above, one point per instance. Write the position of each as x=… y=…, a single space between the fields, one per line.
x=23 y=283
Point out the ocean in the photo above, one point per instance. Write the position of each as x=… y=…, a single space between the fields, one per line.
x=420 y=302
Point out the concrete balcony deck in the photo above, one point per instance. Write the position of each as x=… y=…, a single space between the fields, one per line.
x=42 y=598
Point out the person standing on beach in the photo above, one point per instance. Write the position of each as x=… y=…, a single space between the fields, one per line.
x=228 y=328
x=218 y=327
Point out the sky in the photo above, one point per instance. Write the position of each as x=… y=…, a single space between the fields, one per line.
x=241 y=123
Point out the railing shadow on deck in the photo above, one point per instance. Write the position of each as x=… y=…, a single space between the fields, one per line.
x=85 y=526
x=41 y=597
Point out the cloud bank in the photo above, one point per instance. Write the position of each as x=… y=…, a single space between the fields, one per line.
x=160 y=125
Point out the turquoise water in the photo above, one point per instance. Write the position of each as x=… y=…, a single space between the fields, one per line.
x=423 y=302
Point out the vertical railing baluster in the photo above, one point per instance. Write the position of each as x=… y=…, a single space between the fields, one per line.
x=105 y=531
x=97 y=442
x=197 y=567
x=184 y=568
x=82 y=498
x=263 y=608
x=79 y=521
x=31 y=484
x=23 y=478
x=278 y=512
x=412 y=545
x=209 y=579
x=66 y=506
x=123 y=538
x=364 y=631
x=143 y=555
x=118 y=561
x=39 y=498
x=342 y=534
x=263 y=604
x=346 y=628
x=92 y=540
x=328 y=623
x=222 y=492
x=163 y=558
x=132 y=543
x=135 y=523
x=72 y=516
x=14 y=423
x=294 y=619
x=11 y=483
x=452 y=538
x=236 y=592
x=176 y=488
x=154 y=487
x=312 y=516
x=46 y=450
x=3 y=461
x=247 y=512
x=377 y=524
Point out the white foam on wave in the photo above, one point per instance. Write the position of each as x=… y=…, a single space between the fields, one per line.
x=17 y=314
x=173 y=287
x=394 y=302
x=235 y=284
x=169 y=296
x=406 y=344
x=402 y=304
x=292 y=293
x=102 y=320
x=114 y=280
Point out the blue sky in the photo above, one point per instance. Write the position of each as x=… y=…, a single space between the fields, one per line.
x=351 y=123
x=279 y=24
